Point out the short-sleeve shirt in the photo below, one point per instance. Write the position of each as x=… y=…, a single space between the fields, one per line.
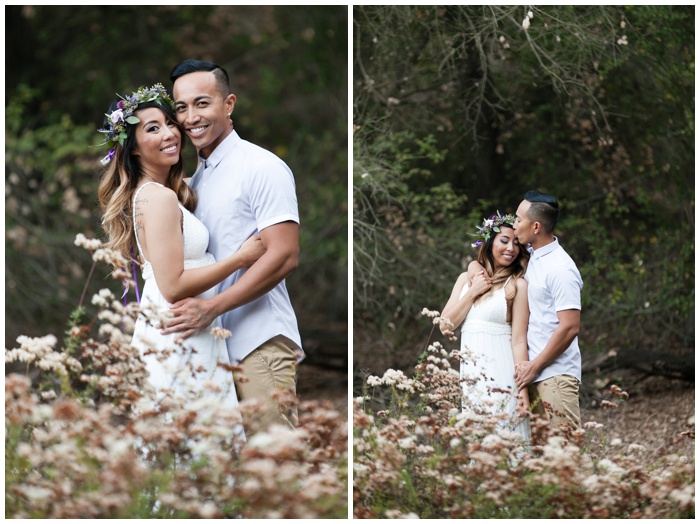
x=241 y=190
x=554 y=284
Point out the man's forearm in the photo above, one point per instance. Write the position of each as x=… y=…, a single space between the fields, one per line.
x=561 y=339
x=259 y=279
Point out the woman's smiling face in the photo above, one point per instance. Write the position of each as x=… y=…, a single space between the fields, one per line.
x=157 y=140
x=505 y=247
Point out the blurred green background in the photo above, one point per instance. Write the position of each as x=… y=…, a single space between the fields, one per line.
x=289 y=70
x=459 y=110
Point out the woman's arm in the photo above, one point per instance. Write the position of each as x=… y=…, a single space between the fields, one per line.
x=456 y=309
x=520 y=315
x=159 y=226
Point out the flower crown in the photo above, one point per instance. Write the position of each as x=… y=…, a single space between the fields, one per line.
x=492 y=225
x=115 y=132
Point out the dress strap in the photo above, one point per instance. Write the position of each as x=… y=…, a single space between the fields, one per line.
x=133 y=205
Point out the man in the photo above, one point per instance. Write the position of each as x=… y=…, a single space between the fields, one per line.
x=553 y=372
x=242 y=190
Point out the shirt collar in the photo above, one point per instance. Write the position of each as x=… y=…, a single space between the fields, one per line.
x=223 y=149
x=544 y=250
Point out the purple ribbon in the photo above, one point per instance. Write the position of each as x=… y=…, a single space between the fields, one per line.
x=106 y=160
x=136 y=282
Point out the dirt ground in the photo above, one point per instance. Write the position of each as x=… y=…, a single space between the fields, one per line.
x=659 y=415
x=323 y=384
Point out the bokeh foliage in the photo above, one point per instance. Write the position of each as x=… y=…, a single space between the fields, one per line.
x=288 y=69
x=458 y=110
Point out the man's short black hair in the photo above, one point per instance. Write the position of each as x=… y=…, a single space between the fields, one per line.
x=191 y=65
x=544 y=208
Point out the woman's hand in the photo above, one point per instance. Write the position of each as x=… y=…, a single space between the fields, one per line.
x=475 y=269
x=251 y=250
x=481 y=283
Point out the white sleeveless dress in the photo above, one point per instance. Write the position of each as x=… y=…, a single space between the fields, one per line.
x=487 y=374
x=202 y=350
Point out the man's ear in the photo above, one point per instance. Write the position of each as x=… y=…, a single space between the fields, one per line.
x=230 y=102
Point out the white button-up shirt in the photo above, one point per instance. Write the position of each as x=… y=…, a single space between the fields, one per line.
x=241 y=190
x=554 y=284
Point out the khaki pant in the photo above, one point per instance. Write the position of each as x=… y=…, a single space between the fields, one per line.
x=269 y=368
x=557 y=399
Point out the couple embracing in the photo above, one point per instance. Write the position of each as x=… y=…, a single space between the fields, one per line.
x=519 y=305
x=214 y=249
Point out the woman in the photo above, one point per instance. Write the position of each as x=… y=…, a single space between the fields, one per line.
x=491 y=300
x=147 y=211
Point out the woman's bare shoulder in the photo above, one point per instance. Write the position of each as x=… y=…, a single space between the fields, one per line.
x=520 y=283
x=156 y=197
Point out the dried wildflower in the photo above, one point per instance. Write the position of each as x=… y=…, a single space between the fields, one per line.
x=419 y=454
x=220 y=333
x=89 y=244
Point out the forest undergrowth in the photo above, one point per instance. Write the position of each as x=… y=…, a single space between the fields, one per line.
x=418 y=454
x=86 y=438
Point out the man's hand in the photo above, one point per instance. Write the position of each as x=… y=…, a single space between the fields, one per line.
x=189 y=316
x=525 y=373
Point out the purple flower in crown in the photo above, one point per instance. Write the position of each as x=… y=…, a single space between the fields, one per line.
x=120 y=104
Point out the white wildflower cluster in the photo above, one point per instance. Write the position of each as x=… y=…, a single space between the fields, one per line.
x=102 y=298
x=219 y=332
x=526 y=22
x=109 y=256
x=40 y=353
x=91 y=244
x=114 y=334
x=395 y=378
x=430 y=314
x=435 y=364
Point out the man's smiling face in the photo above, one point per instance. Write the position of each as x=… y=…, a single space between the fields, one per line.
x=203 y=110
